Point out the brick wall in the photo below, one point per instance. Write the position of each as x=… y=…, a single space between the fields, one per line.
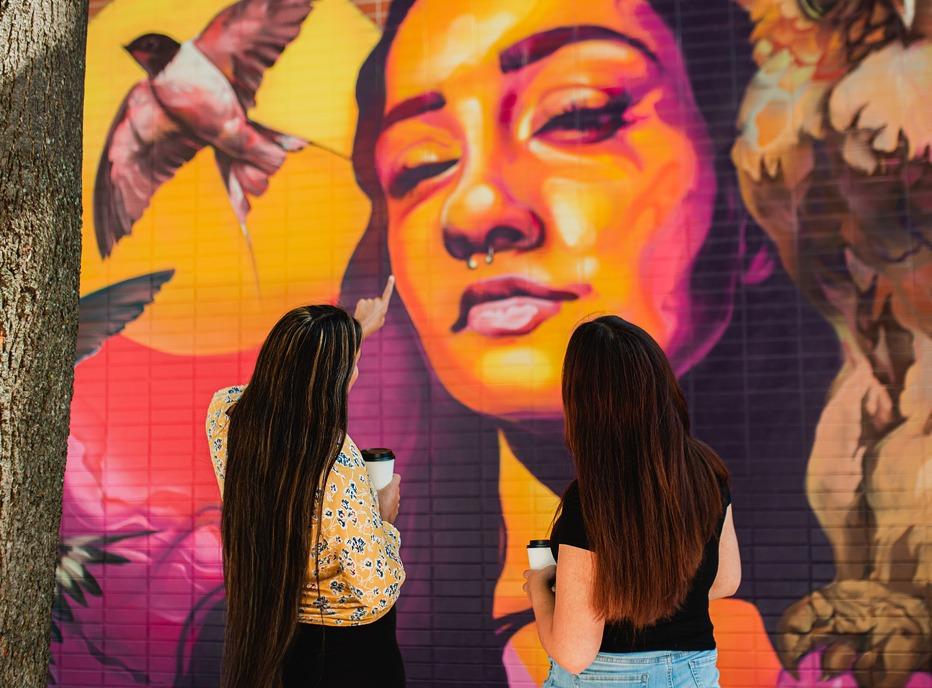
x=790 y=291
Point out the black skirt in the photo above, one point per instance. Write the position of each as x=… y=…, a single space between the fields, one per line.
x=345 y=656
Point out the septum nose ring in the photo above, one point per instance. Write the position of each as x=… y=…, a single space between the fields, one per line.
x=472 y=264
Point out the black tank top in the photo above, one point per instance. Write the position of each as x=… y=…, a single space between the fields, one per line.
x=689 y=628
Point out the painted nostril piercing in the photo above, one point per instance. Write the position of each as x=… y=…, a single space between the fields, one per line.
x=472 y=263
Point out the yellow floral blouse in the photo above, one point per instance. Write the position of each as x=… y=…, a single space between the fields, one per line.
x=360 y=568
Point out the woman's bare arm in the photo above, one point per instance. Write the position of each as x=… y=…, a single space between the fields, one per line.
x=728 y=577
x=569 y=628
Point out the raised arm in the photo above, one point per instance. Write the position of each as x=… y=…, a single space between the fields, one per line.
x=371 y=312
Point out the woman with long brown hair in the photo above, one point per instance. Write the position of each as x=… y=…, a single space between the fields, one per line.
x=645 y=536
x=310 y=555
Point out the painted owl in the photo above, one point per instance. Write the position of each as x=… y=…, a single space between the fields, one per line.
x=833 y=159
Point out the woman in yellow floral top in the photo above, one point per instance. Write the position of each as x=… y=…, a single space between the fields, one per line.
x=360 y=570
x=312 y=574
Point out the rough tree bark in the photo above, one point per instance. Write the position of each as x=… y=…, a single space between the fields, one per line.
x=42 y=47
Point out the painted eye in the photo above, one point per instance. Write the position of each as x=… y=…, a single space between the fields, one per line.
x=816 y=9
x=408 y=178
x=580 y=124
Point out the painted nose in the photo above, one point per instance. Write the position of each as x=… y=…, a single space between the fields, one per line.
x=481 y=219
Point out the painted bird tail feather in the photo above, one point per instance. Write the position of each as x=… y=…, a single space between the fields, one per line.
x=249 y=176
x=241 y=178
x=230 y=171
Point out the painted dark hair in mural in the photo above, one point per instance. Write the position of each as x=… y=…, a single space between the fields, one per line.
x=670 y=482
x=447 y=451
x=285 y=433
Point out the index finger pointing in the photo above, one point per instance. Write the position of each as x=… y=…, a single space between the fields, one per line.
x=389 y=289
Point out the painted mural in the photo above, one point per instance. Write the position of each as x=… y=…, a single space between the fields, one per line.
x=749 y=180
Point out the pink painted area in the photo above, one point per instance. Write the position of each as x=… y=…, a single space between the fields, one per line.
x=138 y=463
x=760 y=268
x=811 y=676
x=518 y=676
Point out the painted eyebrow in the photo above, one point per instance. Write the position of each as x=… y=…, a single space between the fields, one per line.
x=412 y=107
x=545 y=43
x=526 y=51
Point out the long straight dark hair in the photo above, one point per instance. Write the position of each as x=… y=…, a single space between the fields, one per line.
x=285 y=433
x=650 y=492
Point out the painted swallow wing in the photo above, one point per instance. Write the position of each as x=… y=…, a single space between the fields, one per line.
x=144 y=149
x=248 y=37
x=105 y=312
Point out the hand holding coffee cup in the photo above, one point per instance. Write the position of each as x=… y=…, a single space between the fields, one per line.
x=390 y=499
x=539 y=555
x=380 y=463
x=539 y=558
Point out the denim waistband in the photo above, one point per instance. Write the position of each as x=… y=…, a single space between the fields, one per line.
x=655 y=657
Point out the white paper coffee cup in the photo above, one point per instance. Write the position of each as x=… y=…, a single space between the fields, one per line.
x=539 y=555
x=380 y=463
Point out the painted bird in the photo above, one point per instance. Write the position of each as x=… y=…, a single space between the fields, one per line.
x=197 y=94
x=833 y=160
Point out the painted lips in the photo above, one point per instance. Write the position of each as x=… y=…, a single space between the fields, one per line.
x=510 y=306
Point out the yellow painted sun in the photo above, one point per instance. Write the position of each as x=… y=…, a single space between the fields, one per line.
x=304 y=228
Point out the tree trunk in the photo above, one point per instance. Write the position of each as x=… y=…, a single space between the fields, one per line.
x=42 y=46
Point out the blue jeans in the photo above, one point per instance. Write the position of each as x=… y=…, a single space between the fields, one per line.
x=641 y=670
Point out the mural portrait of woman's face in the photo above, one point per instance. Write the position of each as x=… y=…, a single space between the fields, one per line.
x=541 y=161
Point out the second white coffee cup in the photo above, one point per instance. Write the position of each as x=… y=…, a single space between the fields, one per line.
x=380 y=463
